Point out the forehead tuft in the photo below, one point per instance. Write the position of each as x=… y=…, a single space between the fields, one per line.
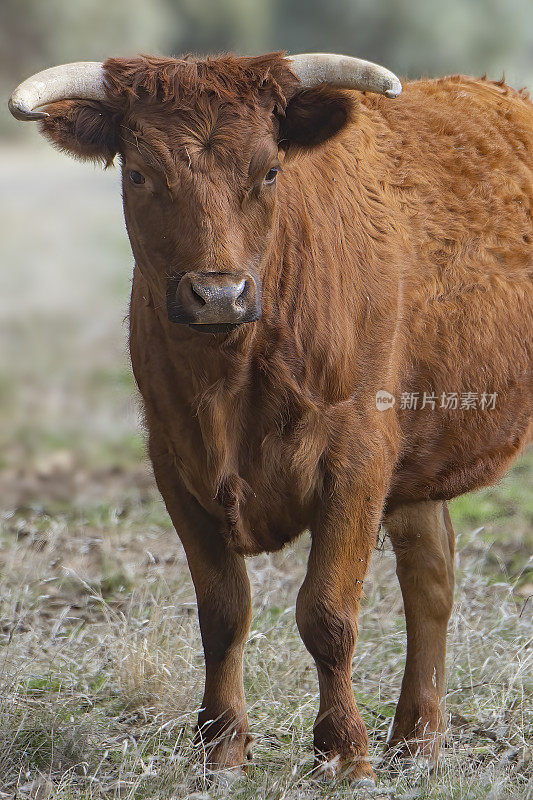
x=180 y=83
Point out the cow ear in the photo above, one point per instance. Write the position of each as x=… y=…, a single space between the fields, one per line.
x=85 y=129
x=313 y=116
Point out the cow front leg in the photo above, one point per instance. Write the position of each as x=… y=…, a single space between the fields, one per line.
x=423 y=541
x=326 y=614
x=224 y=609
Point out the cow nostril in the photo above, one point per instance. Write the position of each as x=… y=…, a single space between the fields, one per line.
x=201 y=301
x=240 y=292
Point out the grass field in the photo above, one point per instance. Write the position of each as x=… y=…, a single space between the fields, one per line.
x=101 y=664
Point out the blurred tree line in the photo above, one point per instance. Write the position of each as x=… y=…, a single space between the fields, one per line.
x=412 y=37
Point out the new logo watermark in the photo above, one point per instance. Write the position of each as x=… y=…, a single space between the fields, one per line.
x=384 y=400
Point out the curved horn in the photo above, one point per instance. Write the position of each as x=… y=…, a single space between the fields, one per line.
x=345 y=72
x=83 y=80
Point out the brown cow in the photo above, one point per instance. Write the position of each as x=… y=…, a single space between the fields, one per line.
x=343 y=255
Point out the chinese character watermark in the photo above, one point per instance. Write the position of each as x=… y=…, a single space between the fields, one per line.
x=448 y=401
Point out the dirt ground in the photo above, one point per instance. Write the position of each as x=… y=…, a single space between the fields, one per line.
x=101 y=664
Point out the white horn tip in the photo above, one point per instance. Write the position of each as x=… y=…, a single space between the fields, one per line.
x=24 y=114
x=394 y=91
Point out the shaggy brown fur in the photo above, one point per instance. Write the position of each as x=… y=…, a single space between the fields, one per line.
x=394 y=254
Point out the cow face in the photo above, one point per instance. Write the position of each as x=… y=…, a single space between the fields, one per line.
x=199 y=200
x=202 y=147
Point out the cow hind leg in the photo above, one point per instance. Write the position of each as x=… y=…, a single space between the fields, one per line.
x=423 y=541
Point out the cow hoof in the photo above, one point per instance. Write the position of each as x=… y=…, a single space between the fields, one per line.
x=364 y=784
x=401 y=762
x=423 y=750
x=224 y=777
x=218 y=781
x=358 y=772
x=228 y=754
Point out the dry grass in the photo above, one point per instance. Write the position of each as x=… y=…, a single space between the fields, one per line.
x=101 y=665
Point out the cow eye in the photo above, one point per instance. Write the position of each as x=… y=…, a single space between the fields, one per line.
x=136 y=177
x=270 y=177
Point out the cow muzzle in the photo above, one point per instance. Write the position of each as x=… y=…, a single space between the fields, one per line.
x=214 y=302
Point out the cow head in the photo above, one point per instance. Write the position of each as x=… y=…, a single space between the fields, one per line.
x=201 y=145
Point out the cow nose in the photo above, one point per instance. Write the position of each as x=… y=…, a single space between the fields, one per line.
x=215 y=298
x=224 y=294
